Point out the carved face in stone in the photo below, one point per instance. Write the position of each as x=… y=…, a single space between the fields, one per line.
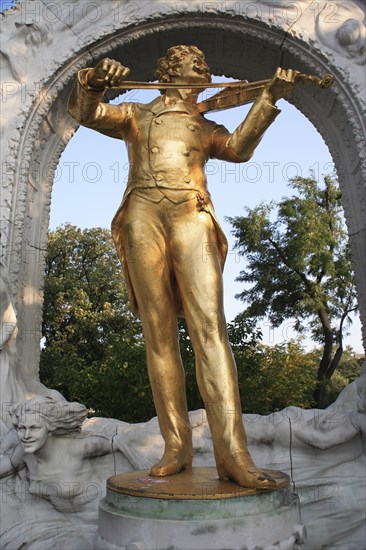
x=32 y=432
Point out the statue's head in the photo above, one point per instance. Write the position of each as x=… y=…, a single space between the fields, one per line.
x=187 y=62
x=35 y=420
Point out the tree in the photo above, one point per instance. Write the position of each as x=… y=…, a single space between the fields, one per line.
x=92 y=349
x=298 y=263
x=270 y=378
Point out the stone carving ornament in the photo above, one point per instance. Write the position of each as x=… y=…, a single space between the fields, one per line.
x=344 y=32
x=53 y=470
x=27 y=38
x=32 y=478
x=10 y=384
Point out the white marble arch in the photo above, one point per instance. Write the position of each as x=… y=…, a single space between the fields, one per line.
x=45 y=43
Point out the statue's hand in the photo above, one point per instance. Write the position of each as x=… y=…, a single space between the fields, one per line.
x=282 y=83
x=107 y=73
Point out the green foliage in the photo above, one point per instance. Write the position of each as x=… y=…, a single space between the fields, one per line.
x=299 y=267
x=349 y=366
x=270 y=378
x=284 y=376
x=93 y=350
x=244 y=335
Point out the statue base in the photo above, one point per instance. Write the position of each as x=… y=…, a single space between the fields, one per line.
x=196 y=510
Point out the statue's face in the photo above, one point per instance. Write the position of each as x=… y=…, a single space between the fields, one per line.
x=32 y=432
x=194 y=68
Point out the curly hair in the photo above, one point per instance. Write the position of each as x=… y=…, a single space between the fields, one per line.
x=167 y=66
x=60 y=417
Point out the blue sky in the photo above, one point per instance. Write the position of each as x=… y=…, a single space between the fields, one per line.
x=93 y=171
x=6 y=4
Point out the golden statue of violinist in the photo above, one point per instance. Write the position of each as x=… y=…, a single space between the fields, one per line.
x=163 y=229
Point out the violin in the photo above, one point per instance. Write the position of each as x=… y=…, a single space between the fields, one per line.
x=233 y=94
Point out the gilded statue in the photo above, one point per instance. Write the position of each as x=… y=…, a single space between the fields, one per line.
x=163 y=229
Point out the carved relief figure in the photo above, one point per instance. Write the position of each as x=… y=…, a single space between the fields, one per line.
x=351 y=36
x=55 y=453
x=10 y=387
x=172 y=247
x=341 y=27
x=13 y=385
x=28 y=36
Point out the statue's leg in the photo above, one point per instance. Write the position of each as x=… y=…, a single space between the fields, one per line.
x=153 y=284
x=197 y=266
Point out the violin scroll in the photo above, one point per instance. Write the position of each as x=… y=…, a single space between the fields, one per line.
x=324 y=82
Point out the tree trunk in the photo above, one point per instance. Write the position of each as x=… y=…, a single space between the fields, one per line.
x=335 y=362
x=326 y=360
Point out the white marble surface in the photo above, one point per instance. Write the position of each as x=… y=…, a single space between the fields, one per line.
x=326 y=460
x=11 y=389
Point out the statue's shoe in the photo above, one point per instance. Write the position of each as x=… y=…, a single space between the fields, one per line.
x=241 y=468
x=172 y=463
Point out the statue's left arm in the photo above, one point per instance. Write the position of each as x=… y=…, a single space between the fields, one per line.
x=241 y=144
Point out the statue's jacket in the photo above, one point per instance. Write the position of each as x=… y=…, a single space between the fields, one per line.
x=168 y=147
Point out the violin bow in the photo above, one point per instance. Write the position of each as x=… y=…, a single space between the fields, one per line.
x=235 y=93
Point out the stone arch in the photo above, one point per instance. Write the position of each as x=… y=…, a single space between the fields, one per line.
x=240 y=44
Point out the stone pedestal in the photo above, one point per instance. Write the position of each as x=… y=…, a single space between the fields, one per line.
x=195 y=510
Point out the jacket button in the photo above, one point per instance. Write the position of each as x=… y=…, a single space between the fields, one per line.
x=187 y=179
x=158 y=177
x=154 y=149
x=158 y=121
x=191 y=127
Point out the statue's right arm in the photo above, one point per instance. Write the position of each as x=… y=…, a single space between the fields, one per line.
x=86 y=105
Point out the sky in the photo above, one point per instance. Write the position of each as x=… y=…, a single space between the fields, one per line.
x=92 y=175
x=6 y=4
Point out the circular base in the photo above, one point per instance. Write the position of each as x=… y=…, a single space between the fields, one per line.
x=196 y=510
x=194 y=484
